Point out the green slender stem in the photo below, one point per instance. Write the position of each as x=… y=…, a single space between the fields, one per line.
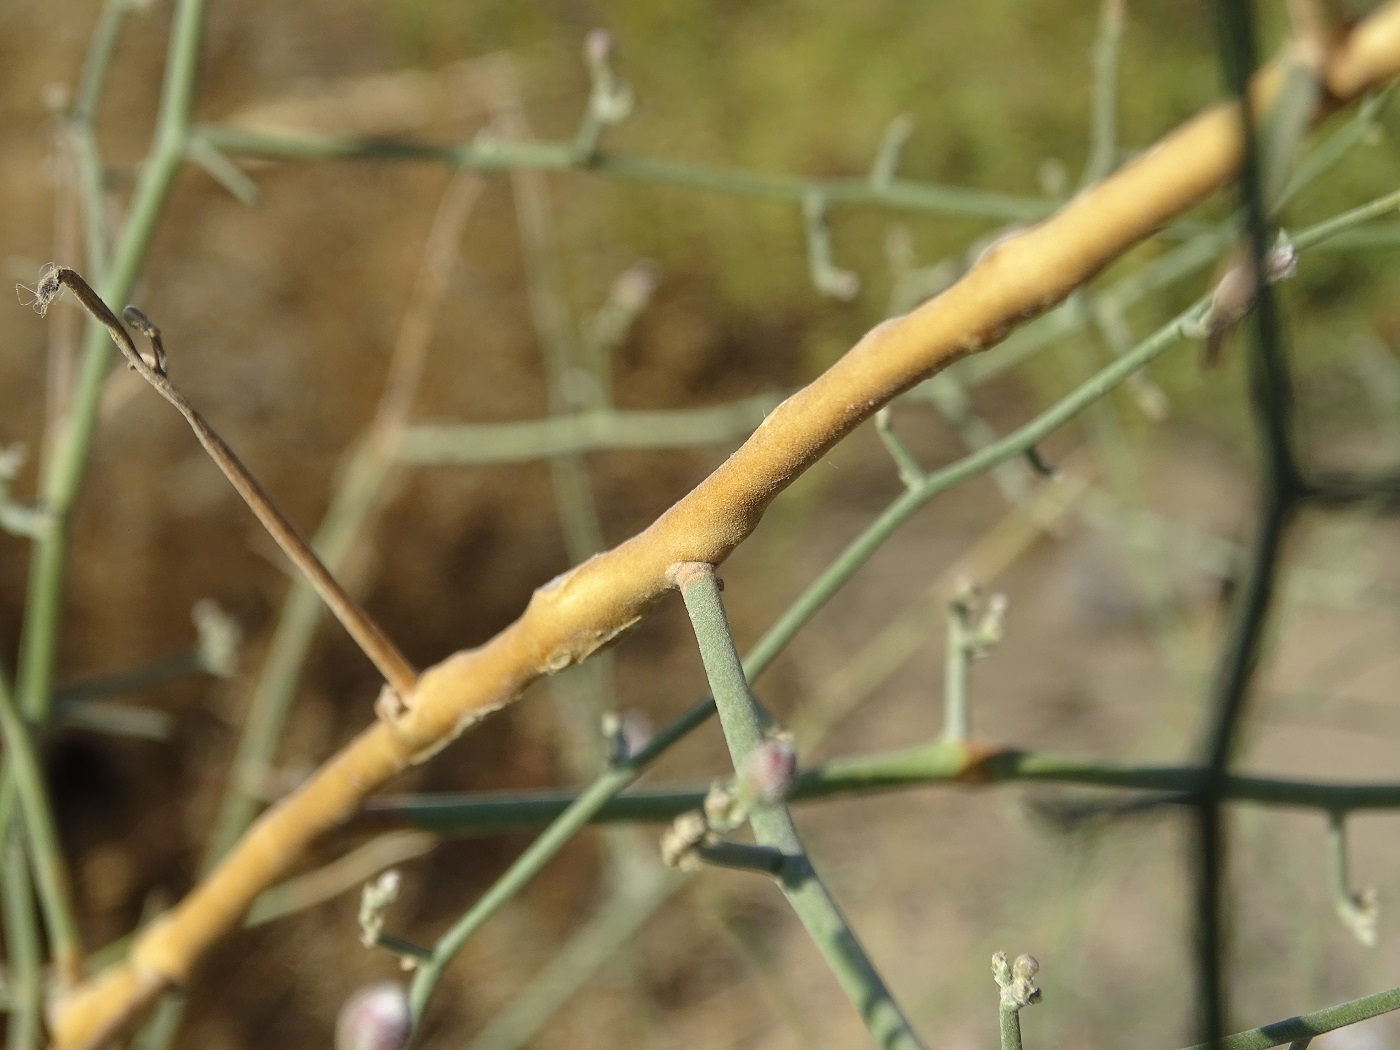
x=558 y=338
x=93 y=190
x=494 y=154
x=957 y=659
x=404 y=949
x=91 y=170
x=125 y=720
x=1010 y=1027
x=590 y=431
x=1103 y=150
x=1306 y=1026
x=156 y=673
x=574 y=817
x=24 y=954
x=1336 y=146
x=63 y=470
x=906 y=463
x=598 y=940
x=1357 y=911
x=743 y=725
x=101 y=46
x=1328 y=228
x=45 y=852
x=940 y=763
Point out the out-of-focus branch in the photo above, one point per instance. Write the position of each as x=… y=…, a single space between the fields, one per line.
x=579 y=612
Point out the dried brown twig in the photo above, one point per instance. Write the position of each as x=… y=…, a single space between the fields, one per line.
x=375 y=643
x=572 y=616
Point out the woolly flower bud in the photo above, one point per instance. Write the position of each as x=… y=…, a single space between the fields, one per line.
x=769 y=772
x=376 y=1017
x=680 y=839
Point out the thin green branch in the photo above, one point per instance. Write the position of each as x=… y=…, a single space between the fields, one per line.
x=744 y=726
x=24 y=954
x=941 y=763
x=82 y=134
x=554 y=327
x=1103 y=150
x=560 y=831
x=64 y=469
x=101 y=46
x=906 y=463
x=582 y=432
x=491 y=154
x=45 y=851
x=1306 y=1026
x=598 y=940
x=138 y=679
x=1336 y=146
x=1358 y=911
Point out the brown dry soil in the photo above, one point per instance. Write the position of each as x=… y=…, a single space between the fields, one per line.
x=279 y=321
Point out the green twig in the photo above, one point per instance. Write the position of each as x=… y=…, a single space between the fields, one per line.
x=64 y=469
x=491 y=154
x=1336 y=146
x=967 y=641
x=772 y=825
x=1017 y=990
x=1306 y=1026
x=561 y=830
x=595 y=942
x=1358 y=911
x=1103 y=151
x=941 y=762
x=83 y=136
x=25 y=972
x=910 y=472
x=45 y=851
x=589 y=431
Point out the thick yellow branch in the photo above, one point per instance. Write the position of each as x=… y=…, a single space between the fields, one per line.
x=570 y=617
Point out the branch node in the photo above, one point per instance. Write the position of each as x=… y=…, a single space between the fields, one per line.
x=910 y=472
x=1359 y=910
x=684 y=573
x=610 y=99
x=17 y=518
x=138 y=320
x=828 y=278
x=892 y=142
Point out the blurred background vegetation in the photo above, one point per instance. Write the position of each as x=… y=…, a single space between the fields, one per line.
x=280 y=319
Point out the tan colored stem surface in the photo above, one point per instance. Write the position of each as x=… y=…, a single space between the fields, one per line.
x=570 y=617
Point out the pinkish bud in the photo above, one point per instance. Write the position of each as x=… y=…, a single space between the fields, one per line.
x=769 y=772
x=597 y=47
x=376 y=1017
